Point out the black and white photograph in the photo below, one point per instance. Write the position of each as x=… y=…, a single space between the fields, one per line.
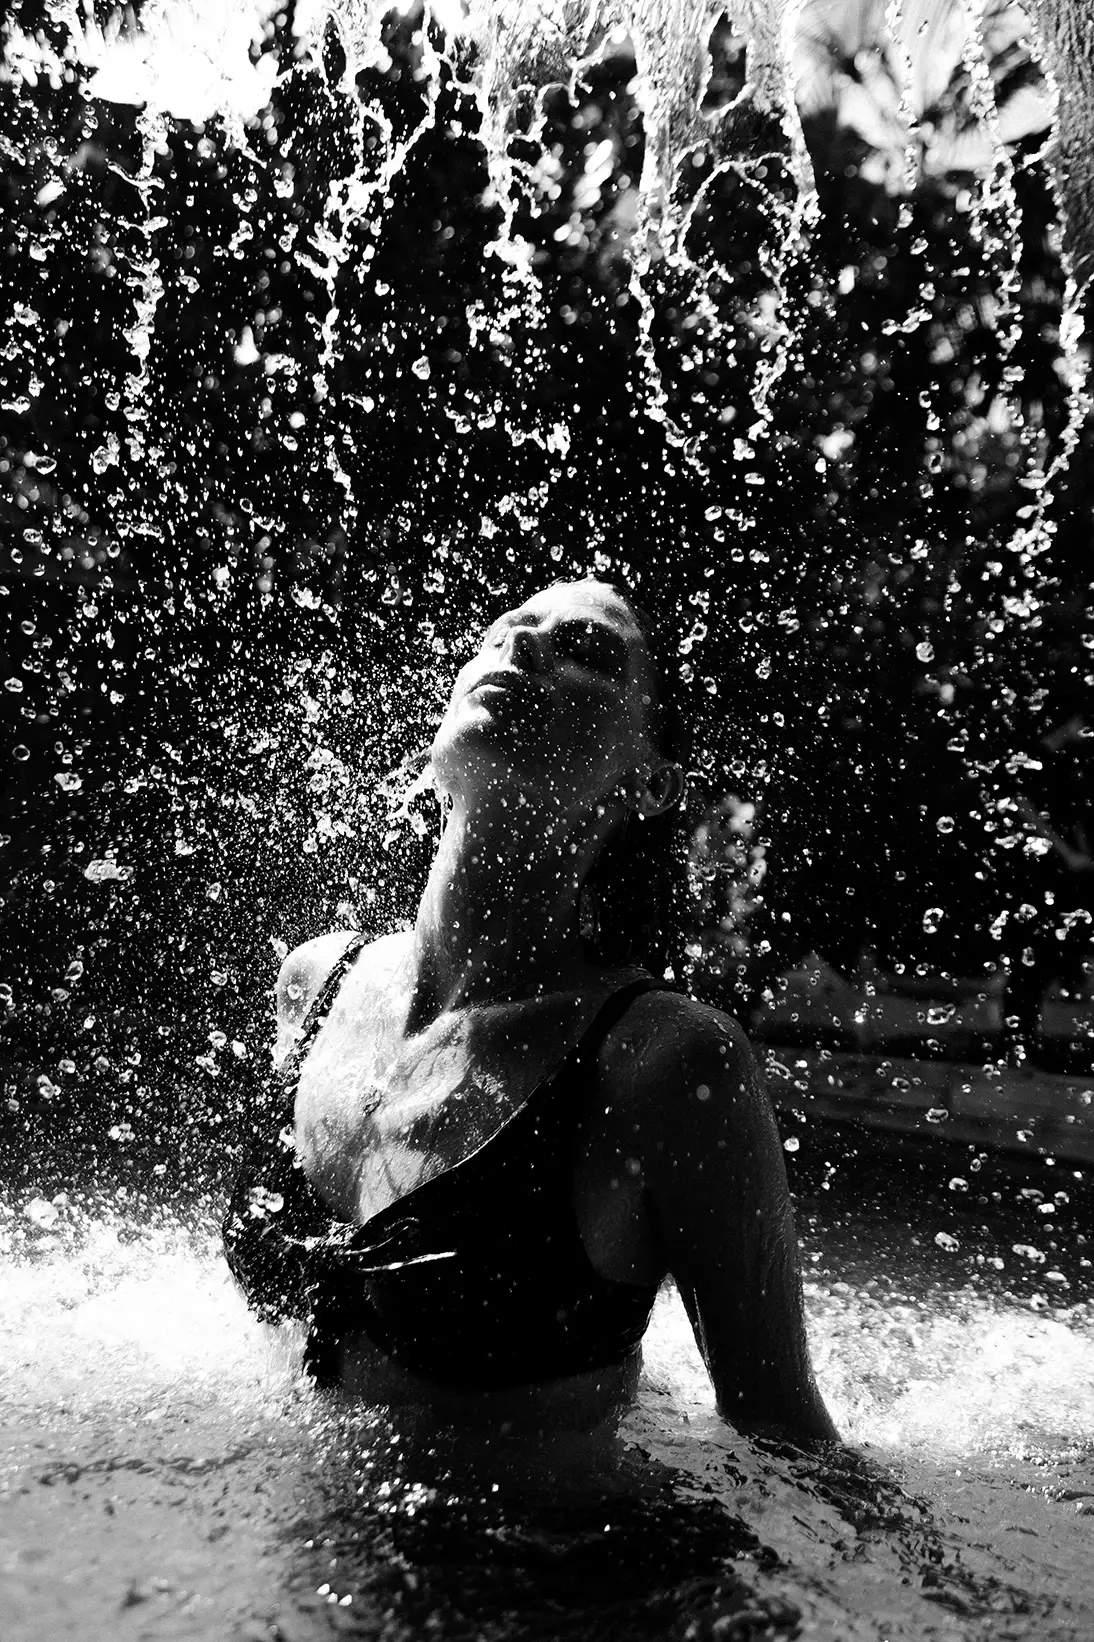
x=547 y=831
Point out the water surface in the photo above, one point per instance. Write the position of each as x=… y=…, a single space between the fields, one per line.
x=165 y=1473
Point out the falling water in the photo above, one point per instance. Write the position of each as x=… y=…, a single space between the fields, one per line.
x=147 y=290
x=233 y=577
x=1063 y=34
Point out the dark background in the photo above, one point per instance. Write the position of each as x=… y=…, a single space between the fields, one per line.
x=240 y=571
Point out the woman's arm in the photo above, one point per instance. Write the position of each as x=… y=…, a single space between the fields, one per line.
x=713 y=1169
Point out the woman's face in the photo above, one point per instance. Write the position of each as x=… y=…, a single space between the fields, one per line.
x=556 y=702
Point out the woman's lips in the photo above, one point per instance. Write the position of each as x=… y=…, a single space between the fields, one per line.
x=507 y=679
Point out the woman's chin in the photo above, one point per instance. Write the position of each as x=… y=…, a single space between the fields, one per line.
x=487 y=762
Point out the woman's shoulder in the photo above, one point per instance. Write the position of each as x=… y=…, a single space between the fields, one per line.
x=666 y=1042
x=674 y=1017
x=304 y=971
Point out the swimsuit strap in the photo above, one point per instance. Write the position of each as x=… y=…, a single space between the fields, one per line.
x=612 y=1010
x=289 y=1070
x=265 y=1249
x=608 y=1015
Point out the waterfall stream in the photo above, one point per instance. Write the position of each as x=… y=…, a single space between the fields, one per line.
x=327 y=331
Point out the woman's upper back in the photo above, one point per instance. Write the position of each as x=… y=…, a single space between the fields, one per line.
x=677 y=1162
x=381 y=1108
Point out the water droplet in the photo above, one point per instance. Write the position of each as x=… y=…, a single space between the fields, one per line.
x=101 y=872
x=40 y=1212
x=245 y=351
x=261 y=1202
x=105 y=455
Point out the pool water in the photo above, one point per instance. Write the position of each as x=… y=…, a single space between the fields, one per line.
x=164 y=1472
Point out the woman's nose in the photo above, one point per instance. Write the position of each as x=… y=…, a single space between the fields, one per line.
x=529 y=648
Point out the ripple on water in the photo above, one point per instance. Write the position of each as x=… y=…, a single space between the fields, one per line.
x=164 y=1472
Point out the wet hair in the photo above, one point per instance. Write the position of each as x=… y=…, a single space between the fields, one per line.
x=634 y=901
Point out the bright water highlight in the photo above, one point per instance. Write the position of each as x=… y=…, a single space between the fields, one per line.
x=165 y=1472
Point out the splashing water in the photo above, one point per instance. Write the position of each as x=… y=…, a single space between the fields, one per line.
x=508 y=60
x=1063 y=31
x=147 y=287
x=163 y=1464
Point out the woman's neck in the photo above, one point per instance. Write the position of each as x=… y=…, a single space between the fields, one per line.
x=500 y=914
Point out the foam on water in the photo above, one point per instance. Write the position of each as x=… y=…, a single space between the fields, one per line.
x=118 y=1311
x=123 y=1316
x=164 y=1462
x=963 y=1375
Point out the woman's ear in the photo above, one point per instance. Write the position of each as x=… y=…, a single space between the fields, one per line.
x=656 y=790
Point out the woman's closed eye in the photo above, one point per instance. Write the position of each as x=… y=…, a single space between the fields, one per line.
x=591 y=645
x=587 y=643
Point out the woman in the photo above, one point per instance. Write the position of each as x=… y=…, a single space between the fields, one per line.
x=506 y=1132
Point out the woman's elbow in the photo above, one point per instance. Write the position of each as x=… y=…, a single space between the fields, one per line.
x=806 y=1420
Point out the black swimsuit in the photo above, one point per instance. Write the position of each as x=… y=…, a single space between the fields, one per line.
x=477 y=1278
